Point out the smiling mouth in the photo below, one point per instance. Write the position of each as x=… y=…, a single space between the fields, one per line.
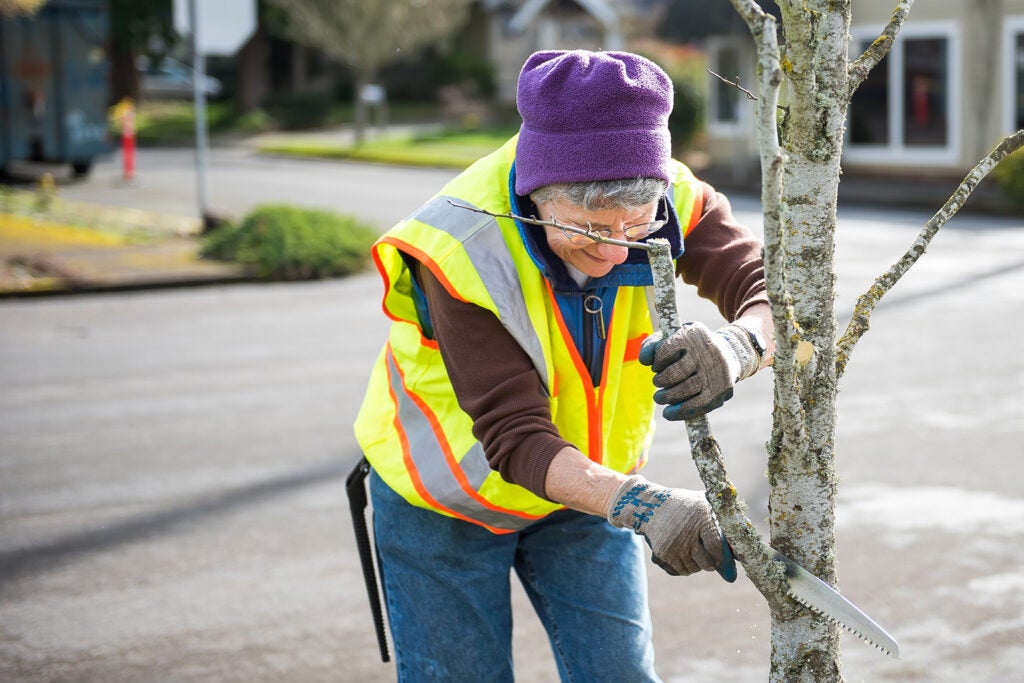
x=596 y=259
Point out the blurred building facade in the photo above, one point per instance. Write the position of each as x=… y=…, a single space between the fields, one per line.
x=950 y=89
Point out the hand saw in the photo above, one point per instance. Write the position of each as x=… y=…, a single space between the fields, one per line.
x=818 y=596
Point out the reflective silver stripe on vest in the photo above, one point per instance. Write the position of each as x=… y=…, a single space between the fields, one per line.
x=428 y=457
x=483 y=242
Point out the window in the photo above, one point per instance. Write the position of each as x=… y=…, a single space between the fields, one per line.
x=1018 y=90
x=925 y=92
x=869 y=110
x=726 y=97
x=1014 y=70
x=729 y=111
x=908 y=107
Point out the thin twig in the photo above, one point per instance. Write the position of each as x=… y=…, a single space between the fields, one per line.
x=555 y=224
x=861 y=319
x=735 y=84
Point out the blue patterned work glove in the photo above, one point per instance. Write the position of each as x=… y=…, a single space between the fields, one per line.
x=677 y=524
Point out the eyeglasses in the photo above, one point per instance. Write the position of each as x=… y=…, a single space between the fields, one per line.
x=630 y=232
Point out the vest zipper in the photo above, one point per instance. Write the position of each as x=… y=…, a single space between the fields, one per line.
x=593 y=320
x=593 y=305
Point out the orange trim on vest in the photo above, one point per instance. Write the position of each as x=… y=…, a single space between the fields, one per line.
x=387 y=283
x=697 y=210
x=633 y=345
x=423 y=258
x=452 y=463
x=414 y=475
x=595 y=396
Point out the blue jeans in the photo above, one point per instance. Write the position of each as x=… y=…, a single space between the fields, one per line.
x=447 y=590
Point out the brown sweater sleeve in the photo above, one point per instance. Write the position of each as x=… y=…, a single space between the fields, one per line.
x=496 y=384
x=722 y=258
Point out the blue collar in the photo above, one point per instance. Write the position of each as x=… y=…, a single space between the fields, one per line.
x=635 y=271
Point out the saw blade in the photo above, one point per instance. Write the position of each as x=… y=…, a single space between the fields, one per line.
x=815 y=594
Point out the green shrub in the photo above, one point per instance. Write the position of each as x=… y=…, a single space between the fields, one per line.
x=1009 y=176
x=290 y=243
x=687 y=118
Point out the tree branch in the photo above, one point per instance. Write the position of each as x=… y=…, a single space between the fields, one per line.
x=735 y=84
x=757 y=563
x=704 y=448
x=860 y=322
x=860 y=69
x=555 y=224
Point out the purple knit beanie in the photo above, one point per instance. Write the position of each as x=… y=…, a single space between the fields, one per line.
x=591 y=116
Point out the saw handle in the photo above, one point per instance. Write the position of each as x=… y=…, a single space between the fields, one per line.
x=727 y=567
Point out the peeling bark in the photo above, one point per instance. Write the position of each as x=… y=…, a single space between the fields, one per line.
x=800 y=165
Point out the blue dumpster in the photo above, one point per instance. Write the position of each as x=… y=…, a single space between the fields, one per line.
x=54 y=84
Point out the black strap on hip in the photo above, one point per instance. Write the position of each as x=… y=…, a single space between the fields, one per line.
x=355 y=485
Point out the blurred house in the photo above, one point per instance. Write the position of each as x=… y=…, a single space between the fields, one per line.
x=506 y=32
x=951 y=88
x=501 y=33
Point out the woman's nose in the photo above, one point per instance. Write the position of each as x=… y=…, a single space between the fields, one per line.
x=612 y=252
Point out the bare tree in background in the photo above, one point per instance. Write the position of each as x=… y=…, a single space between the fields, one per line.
x=801 y=146
x=366 y=35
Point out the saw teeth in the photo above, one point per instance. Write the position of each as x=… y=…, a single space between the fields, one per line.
x=836 y=621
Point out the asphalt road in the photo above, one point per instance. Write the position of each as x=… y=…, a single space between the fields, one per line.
x=172 y=463
x=237 y=179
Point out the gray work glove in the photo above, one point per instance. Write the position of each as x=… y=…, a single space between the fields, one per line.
x=677 y=524
x=697 y=368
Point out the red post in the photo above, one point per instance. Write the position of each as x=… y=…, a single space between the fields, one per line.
x=128 y=139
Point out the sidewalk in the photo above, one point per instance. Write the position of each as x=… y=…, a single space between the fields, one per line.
x=39 y=259
x=148 y=250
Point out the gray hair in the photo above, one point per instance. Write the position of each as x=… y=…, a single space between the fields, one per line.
x=624 y=193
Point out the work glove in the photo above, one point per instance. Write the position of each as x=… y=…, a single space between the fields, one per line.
x=697 y=368
x=676 y=523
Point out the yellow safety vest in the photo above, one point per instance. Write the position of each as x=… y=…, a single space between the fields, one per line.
x=410 y=425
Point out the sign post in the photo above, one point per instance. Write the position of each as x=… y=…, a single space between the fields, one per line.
x=216 y=27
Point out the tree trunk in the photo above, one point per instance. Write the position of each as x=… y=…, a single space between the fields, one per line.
x=359 y=113
x=801 y=467
x=124 y=78
x=253 y=72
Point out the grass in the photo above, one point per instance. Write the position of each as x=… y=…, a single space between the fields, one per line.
x=448 y=149
x=174 y=121
x=91 y=222
x=26 y=230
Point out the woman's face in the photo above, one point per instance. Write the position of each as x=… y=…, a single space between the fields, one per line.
x=592 y=258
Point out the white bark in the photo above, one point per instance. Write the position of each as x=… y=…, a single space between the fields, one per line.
x=800 y=173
